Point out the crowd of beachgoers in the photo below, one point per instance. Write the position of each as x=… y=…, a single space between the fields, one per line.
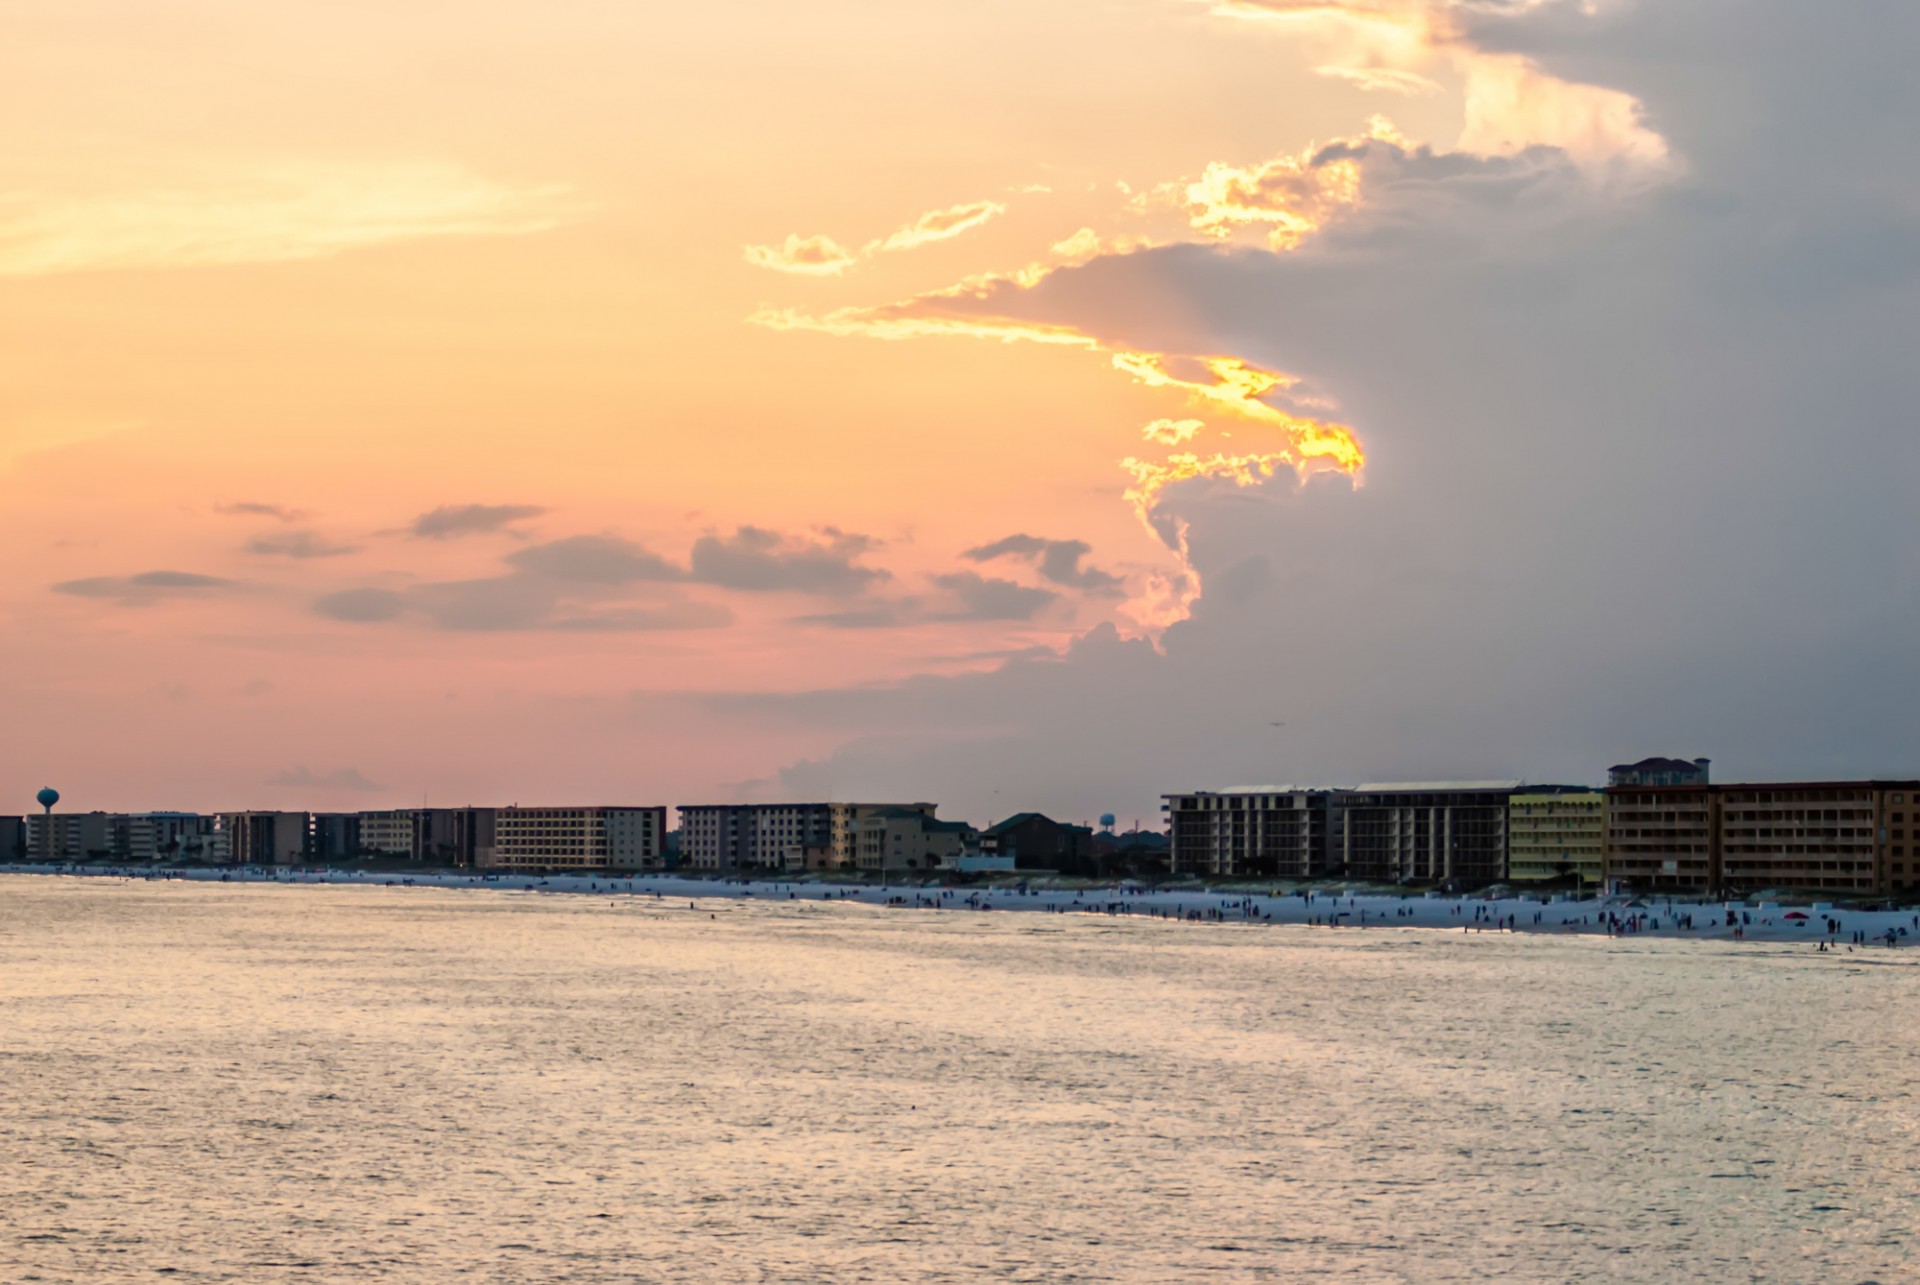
x=1820 y=924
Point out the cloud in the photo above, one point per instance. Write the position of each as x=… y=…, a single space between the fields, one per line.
x=1172 y=432
x=280 y=213
x=297 y=544
x=575 y=585
x=1059 y=561
x=302 y=778
x=361 y=605
x=886 y=615
x=450 y=521
x=813 y=256
x=258 y=510
x=756 y=559
x=981 y=598
x=594 y=559
x=145 y=588
x=938 y=225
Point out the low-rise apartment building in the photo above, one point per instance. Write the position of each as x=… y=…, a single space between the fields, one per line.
x=907 y=838
x=1556 y=836
x=534 y=840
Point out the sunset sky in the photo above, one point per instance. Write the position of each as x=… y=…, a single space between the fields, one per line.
x=1016 y=405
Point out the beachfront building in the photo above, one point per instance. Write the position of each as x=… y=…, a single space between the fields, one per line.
x=460 y=837
x=1660 y=771
x=1663 y=838
x=13 y=839
x=1037 y=842
x=147 y=837
x=69 y=836
x=1451 y=832
x=1831 y=836
x=735 y=836
x=1251 y=832
x=1557 y=836
x=844 y=822
x=910 y=838
x=536 y=840
x=265 y=838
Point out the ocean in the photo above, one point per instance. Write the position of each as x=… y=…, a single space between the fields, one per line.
x=250 y=1082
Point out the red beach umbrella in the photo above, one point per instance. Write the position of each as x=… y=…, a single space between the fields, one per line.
x=1795 y=914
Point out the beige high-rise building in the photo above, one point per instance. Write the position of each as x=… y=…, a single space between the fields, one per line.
x=1843 y=837
x=588 y=839
x=1551 y=836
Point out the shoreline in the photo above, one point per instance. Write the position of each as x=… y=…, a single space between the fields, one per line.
x=1597 y=917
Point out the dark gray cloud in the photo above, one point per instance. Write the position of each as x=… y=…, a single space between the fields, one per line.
x=451 y=521
x=302 y=778
x=1059 y=561
x=253 y=509
x=980 y=597
x=297 y=544
x=145 y=588
x=759 y=560
x=1641 y=466
x=594 y=559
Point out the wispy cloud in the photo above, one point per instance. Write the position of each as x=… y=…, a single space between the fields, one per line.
x=279 y=213
x=812 y=256
x=297 y=544
x=939 y=225
x=145 y=588
x=254 y=509
x=452 y=520
x=304 y=778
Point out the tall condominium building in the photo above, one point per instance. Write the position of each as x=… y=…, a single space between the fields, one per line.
x=438 y=836
x=333 y=836
x=1552 y=836
x=69 y=836
x=1843 y=837
x=265 y=838
x=145 y=837
x=596 y=838
x=13 y=839
x=732 y=836
x=1424 y=832
x=1255 y=832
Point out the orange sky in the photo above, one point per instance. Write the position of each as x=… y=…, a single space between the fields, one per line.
x=278 y=280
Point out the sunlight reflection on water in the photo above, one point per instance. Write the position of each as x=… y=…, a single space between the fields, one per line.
x=255 y=1083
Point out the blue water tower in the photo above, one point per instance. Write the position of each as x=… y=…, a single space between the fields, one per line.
x=47 y=797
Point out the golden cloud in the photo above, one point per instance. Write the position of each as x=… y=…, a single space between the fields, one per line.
x=939 y=225
x=812 y=256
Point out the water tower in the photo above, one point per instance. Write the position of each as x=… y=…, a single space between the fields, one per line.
x=47 y=797
x=1106 y=822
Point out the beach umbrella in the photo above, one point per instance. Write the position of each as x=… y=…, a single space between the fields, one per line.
x=1796 y=914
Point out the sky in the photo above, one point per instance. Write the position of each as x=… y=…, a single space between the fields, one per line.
x=1017 y=405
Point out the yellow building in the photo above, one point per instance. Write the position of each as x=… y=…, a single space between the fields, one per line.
x=1551 y=835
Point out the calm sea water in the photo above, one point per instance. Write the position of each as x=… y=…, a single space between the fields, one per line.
x=254 y=1083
